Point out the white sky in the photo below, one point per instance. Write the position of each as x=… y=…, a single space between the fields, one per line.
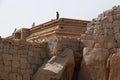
x=22 y=13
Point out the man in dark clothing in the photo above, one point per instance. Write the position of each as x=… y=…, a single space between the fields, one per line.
x=57 y=15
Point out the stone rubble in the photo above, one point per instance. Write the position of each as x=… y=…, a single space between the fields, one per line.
x=59 y=67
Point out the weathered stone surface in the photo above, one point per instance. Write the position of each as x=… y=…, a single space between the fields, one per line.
x=7 y=57
x=18 y=62
x=93 y=66
x=113 y=66
x=88 y=43
x=56 y=67
x=101 y=61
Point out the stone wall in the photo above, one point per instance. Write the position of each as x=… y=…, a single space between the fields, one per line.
x=19 y=60
x=101 y=47
x=67 y=42
x=57 y=44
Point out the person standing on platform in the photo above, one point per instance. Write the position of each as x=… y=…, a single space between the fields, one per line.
x=57 y=15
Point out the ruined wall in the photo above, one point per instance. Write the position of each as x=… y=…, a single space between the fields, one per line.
x=100 y=45
x=67 y=42
x=57 y=44
x=101 y=53
x=19 y=60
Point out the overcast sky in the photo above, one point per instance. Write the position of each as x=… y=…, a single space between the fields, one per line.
x=22 y=13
